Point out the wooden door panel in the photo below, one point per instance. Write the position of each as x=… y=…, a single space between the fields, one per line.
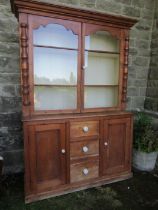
x=115 y=147
x=47 y=161
x=48 y=155
x=116 y=142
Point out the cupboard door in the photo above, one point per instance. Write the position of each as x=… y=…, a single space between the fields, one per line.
x=55 y=53
x=47 y=156
x=101 y=55
x=116 y=146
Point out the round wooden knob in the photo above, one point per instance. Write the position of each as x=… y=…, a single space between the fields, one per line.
x=106 y=144
x=85 y=149
x=85 y=171
x=85 y=129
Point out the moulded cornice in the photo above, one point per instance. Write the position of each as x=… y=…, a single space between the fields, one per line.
x=29 y=6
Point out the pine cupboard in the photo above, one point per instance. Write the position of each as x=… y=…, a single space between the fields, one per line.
x=74 y=68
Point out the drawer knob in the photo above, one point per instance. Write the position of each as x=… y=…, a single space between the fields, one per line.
x=85 y=149
x=63 y=151
x=106 y=144
x=85 y=129
x=85 y=171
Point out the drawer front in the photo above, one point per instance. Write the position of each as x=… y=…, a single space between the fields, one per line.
x=83 y=171
x=87 y=128
x=84 y=148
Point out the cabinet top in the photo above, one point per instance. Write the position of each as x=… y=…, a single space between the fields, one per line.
x=84 y=116
x=46 y=9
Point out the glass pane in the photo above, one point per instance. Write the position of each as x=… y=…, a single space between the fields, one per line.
x=56 y=98
x=100 y=97
x=55 y=35
x=102 y=41
x=55 y=66
x=101 y=69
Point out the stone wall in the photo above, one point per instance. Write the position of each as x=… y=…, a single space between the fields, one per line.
x=11 y=141
x=151 y=101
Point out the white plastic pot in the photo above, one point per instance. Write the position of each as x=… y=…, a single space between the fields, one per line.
x=144 y=161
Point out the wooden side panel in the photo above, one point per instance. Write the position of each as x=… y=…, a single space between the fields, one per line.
x=48 y=155
x=116 y=145
x=47 y=160
x=27 y=160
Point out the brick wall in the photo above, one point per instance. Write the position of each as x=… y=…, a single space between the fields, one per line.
x=11 y=141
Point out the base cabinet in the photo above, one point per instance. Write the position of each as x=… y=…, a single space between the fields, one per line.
x=71 y=154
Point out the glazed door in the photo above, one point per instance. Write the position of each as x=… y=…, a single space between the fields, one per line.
x=55 y=54
x=116 y=146
x=101 y=68
x=47 y=156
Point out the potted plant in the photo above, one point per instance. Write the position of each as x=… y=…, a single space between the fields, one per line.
x=145 y=143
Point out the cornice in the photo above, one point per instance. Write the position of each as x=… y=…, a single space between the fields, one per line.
x=30 y=6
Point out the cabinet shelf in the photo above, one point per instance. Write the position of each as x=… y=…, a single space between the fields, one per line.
x=54 y=47
x=54 y=85
x=98 y=86
x=102 y=51
x=58 y=85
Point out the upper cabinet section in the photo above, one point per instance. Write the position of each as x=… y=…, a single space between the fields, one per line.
x=72 y=60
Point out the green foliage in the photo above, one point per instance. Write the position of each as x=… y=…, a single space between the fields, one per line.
x=145 y=138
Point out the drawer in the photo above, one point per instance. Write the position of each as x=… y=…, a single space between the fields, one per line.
x=87 y=128
x=83 y=171
x=84 y=148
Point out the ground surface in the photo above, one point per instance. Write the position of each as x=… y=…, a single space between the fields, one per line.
x=138 y=193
